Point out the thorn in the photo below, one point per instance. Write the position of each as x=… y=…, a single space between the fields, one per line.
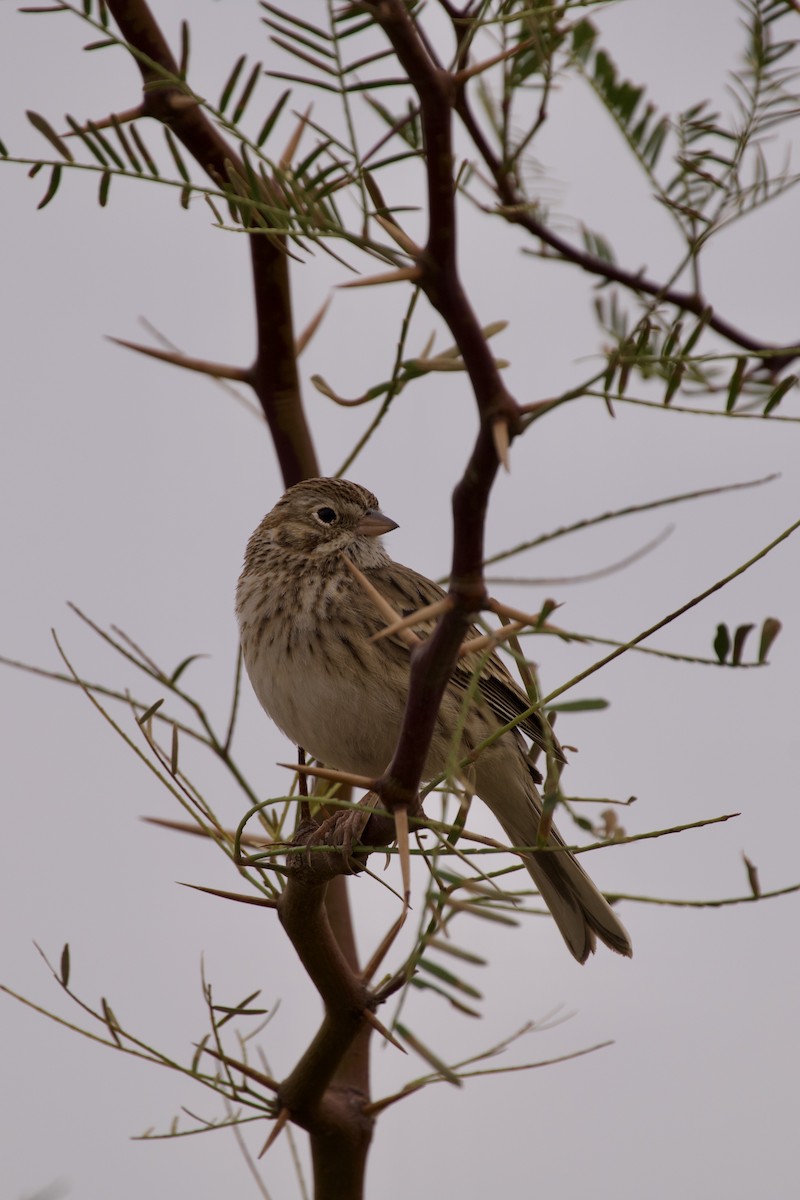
x=310 y=329
x=245 y=1068
x=371 y=1019
x=491 y=639
x=217 y=370
x=359 y=781
x=285 y=160
x=428 y=613
x=247 y=839
x=384 y=946
x=400 y=236
x=184 y=827
x=468 y=72
x=123 y=118
x=501 y=441
x=523 y=666
x=752 y=875
x=275 y=1132
x=381 y=603
x=514 y=614
x=179 y=102
x=262 y=901
x=537 y=408
x=402 y=273
x=401 y=832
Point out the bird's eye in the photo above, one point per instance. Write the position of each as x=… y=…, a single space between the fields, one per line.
x=326 y=515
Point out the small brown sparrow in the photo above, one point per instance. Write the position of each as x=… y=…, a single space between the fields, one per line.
x=305 y=624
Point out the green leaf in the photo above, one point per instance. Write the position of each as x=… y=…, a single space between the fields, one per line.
x=173 y=757
x=597 y=245
x=739 y=639
x=769 y=631
x=611 y=370
x=52 y=187
x=584 y=36
x=643 y=337
x=674 y=381
x=201 y=1046
x=722 y=643
x=449 y=978
x=233 y=79
x=672 y=339
x=241 y=1009
x=427 y=1054
x=735 y=385
x=183 y=66
x=104 y=142
x=145 y=153
x=88 y=142
x=64 y=973
x=277 y=109
x=777 y=394
x=407 y=125
x=111 y=1020
x=173 y=149
x=214 y=209
x=693 y=337
x=445 y=947
x=105 y=184
x=247 y=92
x=578 y=706
x=315 y=30
x=126 y=146
x=46 y=130
x=652 y=147
x=424 y=985
x=752 y=876
x=181 y=667
x=148 y=713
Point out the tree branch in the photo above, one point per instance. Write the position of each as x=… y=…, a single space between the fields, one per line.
x=329 y=1087
x=274 y=372
x=432 y=663
x=516 y=210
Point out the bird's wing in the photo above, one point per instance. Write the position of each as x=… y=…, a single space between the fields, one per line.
x=406 y=590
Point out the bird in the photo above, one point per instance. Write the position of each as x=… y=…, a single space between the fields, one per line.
x=305 y=625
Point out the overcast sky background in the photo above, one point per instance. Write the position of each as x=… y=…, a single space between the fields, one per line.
x=130 y=488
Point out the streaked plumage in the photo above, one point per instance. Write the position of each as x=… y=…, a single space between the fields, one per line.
x=305 y=624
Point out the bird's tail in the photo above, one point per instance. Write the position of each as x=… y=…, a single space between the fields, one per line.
x=581 y=913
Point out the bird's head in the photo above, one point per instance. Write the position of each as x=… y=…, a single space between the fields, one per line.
x=323 y=517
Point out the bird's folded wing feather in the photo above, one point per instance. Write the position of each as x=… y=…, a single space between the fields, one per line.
x=407 y=591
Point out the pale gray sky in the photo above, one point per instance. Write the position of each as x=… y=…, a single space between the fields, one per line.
x=130 y=489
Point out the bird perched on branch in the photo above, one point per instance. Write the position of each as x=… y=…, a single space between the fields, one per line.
x=306 y=622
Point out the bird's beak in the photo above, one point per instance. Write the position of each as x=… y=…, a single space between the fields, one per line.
x=375 y=523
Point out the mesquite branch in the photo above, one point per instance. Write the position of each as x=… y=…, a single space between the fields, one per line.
x=516 y=209
x=433 y=662
x=273 y=374
x=328 y=1089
